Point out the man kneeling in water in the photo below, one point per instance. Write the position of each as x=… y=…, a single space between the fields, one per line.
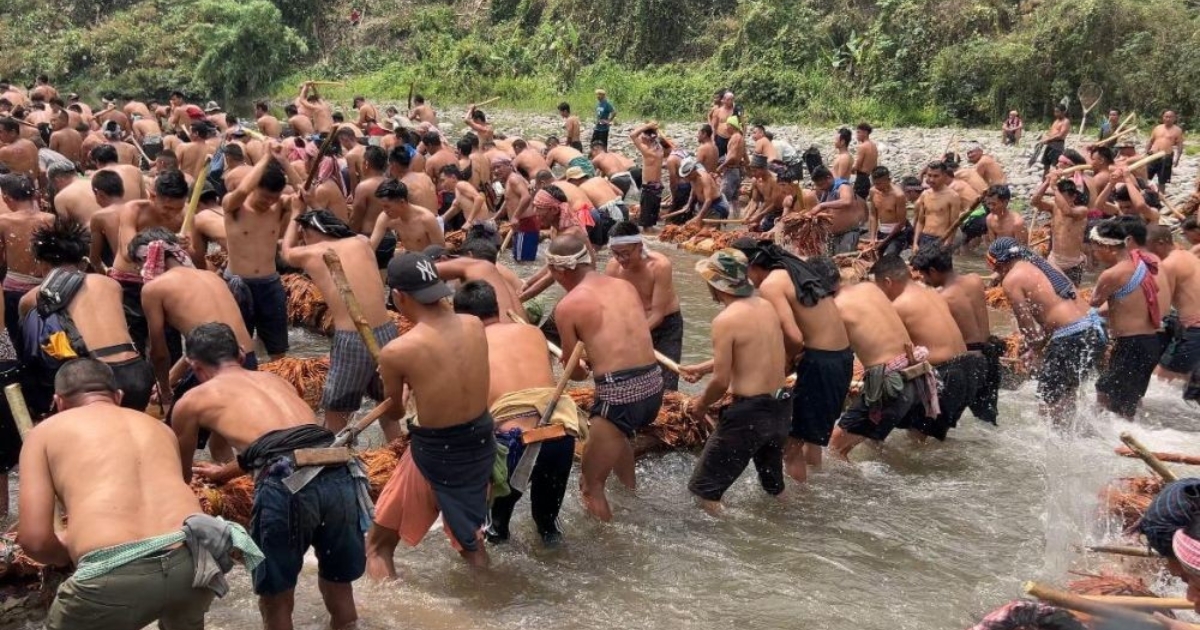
x=749 y=362
x=261 y=416
x=142 y=546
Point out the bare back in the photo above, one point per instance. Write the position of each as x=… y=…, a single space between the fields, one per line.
x=518 y=358
x=606 y=314
x=421 y=358
x=876 y=332
x=189 y=297
x=749 y=331
x=968 y=306
x=242 y=405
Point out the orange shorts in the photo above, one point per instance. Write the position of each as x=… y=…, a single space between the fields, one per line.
x=408 y=505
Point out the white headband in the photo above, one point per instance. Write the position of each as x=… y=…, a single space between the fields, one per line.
x=1103 y=240
x=569 y=261
x=632 y=239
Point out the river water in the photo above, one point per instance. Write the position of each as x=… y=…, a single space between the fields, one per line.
x=908 y=538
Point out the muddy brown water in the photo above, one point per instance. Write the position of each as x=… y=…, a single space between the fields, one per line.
x=907 y=538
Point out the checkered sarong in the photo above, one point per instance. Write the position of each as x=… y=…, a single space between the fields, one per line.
x=629 y=386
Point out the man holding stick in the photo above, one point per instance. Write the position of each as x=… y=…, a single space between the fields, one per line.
x=271 y=427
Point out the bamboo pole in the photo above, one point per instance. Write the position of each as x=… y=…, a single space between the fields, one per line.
x=189 y=214
x=1146 y=456
x=1174 y=458
x=314 y=166
x=487 y=102
x=723 y=221
x=1143 y=603
x=347 y=293
x=1170 y=208
x=20 y=411
x=1123 y=550
x=1075 y=169
x=337 y=83
x=1115 y=136
x=508 y=237
x=1153 y=157
x=1071 y=601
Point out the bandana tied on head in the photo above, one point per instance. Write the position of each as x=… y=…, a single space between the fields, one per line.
x=544 y=201
x=810 y=288
x=569 y=261
x=1187 y=551
x=632 y=239
x=328 y=169
x=1173 y=509
x=1007 y=248
x=155 y=253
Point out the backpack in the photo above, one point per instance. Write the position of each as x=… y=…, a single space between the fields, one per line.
x=49 y=336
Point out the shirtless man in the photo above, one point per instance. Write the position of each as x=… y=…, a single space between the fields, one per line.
x=254 y=213
x=986 y=166
x=366 y=207
x=467 y=269
x=520 y=386
x=104 y=224
x=842 y=165
x=423 y=112
x=191 y=154
x=706 y=149
x=24 y=272
x=650 y=273
x=1166 y=137
x=414 y=228
x=607 y=315
x=352 y=155
x=762 y=144
x=965 y=296
x=468 y=206
x=352 y=369
x=1069 y=210
x=477 y=121
x=816 y=346
x=300 y=124
x=449 y=464
x=937 y=208
x=888 y=212
x=571 y=127
x=64 y=139
x=1055 y=138
x=730 y=170
x=421 y=189
x=528 y=161
x=566 y=157
x=766 y=196
x=73 y=196
x=717 y=118
x=1001 y=221
x=208 y=227
x=749 y=363
x=261 y=415
x=1054 y=320
x=836 y=198
x=17 y=153
x=178 y=118
x=236 y=167
x=317 y=109
x=706 y=193
x=865 y=160
x=437 y=155
x=931 y=325
x=1130 y=287
x=1181 y=270
x=268 y=125
x=89 y=456
x=616 y=167
x=328 y=188
x=368 y=116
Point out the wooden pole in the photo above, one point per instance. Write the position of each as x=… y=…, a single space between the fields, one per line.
x=1123 y=550
x=487 y=102
x=1170 y=208
x=1075 y=169
x=1174 y=458
x=1143 y=603
x=1153 y=157
x=189 y=214
x=1115 y=136
x=508 y=237
x=347 y=293
x=1146 y=456
x=1071 y=601
x=723 y=221
x=314 y=166
x=20 y=411
x=337 y=83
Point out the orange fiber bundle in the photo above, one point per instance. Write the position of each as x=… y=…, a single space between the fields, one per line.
x=455 y=240
x=674 y=427
x=305 y=304
x=217 y=259
x=403 y=324
x=233 y=501
x=307 y=375
x=807 y=234
x=1106 y=583
x=26 y=586
x=381 y=462
x=1129 y=497
x=996 y=298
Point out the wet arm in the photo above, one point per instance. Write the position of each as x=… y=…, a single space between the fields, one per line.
x=379 y=230
x=96 y=249
x=1026 y=322
x=1106 y=285
x=35 y=527
x=722 y=369
x=358 y=214
x=394 y=381
x=234 y=200
x=918 y=222
x=564 y=321
x=290 y=249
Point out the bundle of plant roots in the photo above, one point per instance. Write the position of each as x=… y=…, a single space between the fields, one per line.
x=307 y=375
x=678 y=233
x=674 y=427
x=707 y=241
x=997 y=299
x=1129 y=497
x=1105 y=583
x=1040 y=235
x=305 y=305
x=455 y=240
x=26 y=586
x=216 y=259
x=806 y=235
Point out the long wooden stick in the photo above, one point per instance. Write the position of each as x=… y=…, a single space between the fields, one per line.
x=1143 y=603
x=508 y=237
x=1153 y=157
x=959 y=221
x=1146 y=456
x=1170 y=208
x=1128 y=119
x=189 y=214
x=1174 y=458
x=347 y=293
x=1115 y=136
x=314 y=166
x=20 y=411
x=487 y=102
x=1075 y=169
x=723 y=221
x=1071 y=601
x=1123 y=550
x=337 y=83
x=374 y=414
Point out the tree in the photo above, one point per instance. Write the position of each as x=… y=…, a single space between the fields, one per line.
x=245 y=46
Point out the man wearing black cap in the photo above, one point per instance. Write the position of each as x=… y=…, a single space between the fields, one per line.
x=443 y=362
x=351 y=367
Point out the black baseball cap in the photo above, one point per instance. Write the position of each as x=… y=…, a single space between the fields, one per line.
x=416 y=275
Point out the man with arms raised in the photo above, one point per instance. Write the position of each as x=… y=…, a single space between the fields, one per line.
x=645 y=139
x=607 y=315
x=650 y=273
x=136 y=534
x=352 y=369
x=1167 y=137
x=262 y=417
x=317 y=109
x=1069 y=210
x=449 y=462
x=964 y=295
x=520 y=387
x=1057 y=327
x=749 y=362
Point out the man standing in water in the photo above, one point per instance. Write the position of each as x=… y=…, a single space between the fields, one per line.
x=749 y=362
x=607 y=315
x=263 y=417
x=650 y=273
x=449 y=462
x=1181 y=269
x=888 y=213
x=1055 y=322
x=937 y=208
x=1166 y=137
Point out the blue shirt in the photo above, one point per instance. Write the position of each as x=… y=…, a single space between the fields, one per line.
x=604 y=112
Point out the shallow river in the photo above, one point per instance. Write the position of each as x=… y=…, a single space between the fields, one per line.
x=908 y=538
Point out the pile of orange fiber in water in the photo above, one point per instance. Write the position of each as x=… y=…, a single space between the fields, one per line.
x=808 y=235
x=1128 y=497
x=306 y=375
x=26 y=586
x=673 y=429
x=305 y=305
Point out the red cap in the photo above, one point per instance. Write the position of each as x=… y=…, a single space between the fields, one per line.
x=194 y=112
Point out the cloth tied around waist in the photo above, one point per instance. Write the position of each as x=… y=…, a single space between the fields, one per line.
x=885 y=382
x=533 y=402
x=629 y=386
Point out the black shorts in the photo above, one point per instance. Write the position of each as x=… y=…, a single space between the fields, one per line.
x=822 y=383
x=1065 y=362
x=876 y=424
x=680 y=193
x=668 y=339
x=1162 y=169
x=958 y=382
x=986 y=405
x=628 y=417
x=386 y=249
x=624 y=181
x=10 y=437
x=749 y=429
x=1051 y=152
x=927 y=240
x=1183 y=352
x=1128 y=372
x=599 y=134
x=975 y=227
x=862 y=185
x=722 y=145
x=651 y=204
x=266 y=313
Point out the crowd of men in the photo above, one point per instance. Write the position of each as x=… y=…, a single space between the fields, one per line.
x=111 y=296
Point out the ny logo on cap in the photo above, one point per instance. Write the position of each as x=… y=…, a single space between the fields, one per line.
x=428 y=272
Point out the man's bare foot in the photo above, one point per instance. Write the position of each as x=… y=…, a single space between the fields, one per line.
x=714 y=508
x=596 y=505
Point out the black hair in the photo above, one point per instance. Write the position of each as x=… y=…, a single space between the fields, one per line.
x=465 y=146
x=564 y=107
x=865 y=127
x=880 y=172
x=477 y=298
x=392 y=189
x=338 y=117
x=891 y=267
x=1060 y=108
x=552 y=140
x=451 y=170
x=172 y=185
x=432 y=139
x=1191 y=223
x=212 y=344
x=147 y=236
x=235 y=151
x=399 y=156
x=345 y=132
x=109 y=183
x=933 y=257
x=624 y=228
x=18 y=186
x=952 y=161
x=478 y=116
x=1132 y=227
x=375 y=157
x=706 y=129
x=999 y=191
x=263 y=105
x=844 y=135
x=175 y=93
x=481 y=248
x=104 y=154
x=84 y=376
x=599 y=144
x=1105 y=153
x=1068 y=188
x=826 y=270
x=274 y=178
x=557 y=193
x=1074 y=156
x=63 y=242
x=910 y=181
x=325 y=222
x=543 y=176
x=821 y=173
x=290 y=110
x=1111 y=228
x=940 y=166
x=1156 y=233
x=419 y=100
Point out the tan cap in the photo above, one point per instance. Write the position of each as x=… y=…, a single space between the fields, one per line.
x=601 y=92
x=574 y=173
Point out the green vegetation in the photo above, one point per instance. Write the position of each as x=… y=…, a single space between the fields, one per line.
x=923 y=62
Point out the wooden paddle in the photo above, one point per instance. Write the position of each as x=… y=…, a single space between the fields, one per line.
x=1146 y=456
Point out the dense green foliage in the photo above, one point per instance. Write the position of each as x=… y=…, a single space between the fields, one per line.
x=890 y=61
